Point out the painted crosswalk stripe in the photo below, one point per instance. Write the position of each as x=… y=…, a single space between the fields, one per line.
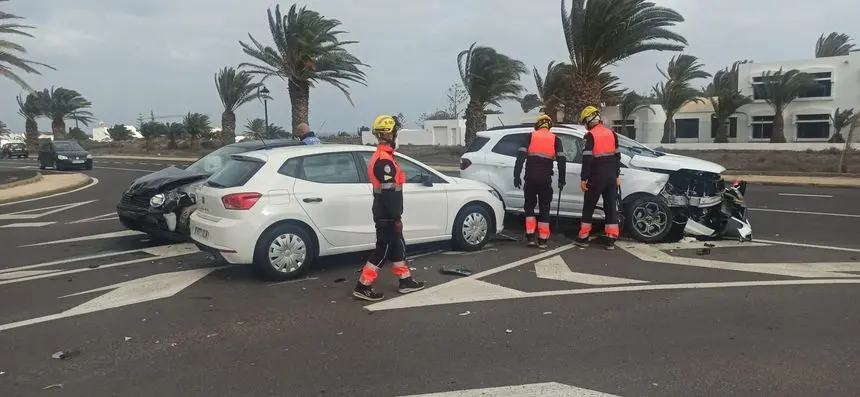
x=28 y=224
x=123 y=233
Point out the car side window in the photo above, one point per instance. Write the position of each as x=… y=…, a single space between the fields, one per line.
x=330 y=168
x=413 y=171
x=291 y=167
x=572 y=146
x=509 y=145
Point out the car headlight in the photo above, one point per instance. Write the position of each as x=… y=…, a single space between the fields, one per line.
x=61 y=157
x=496 y=194
x=157 y=200
x=89 y=156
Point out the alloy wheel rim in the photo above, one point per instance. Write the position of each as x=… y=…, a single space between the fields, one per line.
x=650 y=219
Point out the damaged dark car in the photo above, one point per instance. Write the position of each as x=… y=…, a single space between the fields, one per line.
x=160 y=204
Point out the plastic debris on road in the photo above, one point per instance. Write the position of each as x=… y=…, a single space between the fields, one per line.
x=546 y=313
x=65 y=355
x=465 y=313
x=340 y=280
x=507 y=331
x=703 y=251
x=455 y=271
x=57 y=386
x=127 y=338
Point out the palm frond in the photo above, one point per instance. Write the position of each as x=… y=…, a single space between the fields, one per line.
x=833 y=45
x=489 y=76
x=236 y=88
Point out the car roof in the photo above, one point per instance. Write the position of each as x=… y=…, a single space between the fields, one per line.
x=303 y=150
x=254 y=144
x=498 y=132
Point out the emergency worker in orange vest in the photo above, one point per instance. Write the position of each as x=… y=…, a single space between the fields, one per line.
x=539 y=151
x=387 y=180
x=601 y=176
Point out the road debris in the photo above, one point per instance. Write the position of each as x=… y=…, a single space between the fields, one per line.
x=546 y=313
x=333 y=302
x=503 y=236
x=709 y=245
x=65 y=355
x=340 y=333
x=689 y=239
x=93 y=266
x=212 y=335
x=2 y=373
x=465 y=313
x=339 y=280
x=127 y=338
x=507 y=331
x=456 y=271
x=57 y=386
x=703 y=251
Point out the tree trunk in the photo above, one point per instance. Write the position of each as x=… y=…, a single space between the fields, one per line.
x=722 y=133
x=836 y=138
x=586 y=93
x=669 y=129
x=228 y=128
x=843 y=157
x=171 y=141
x=552 y=112
x=300 y=93
x=778 y=135
x=476 y=120
x=625 y=129
x=570 y=113
x=31 y=133
x=58 y=127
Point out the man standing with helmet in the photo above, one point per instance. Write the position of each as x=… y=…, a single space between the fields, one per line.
x=538 y=152
x=601 y=176
x=387 y=180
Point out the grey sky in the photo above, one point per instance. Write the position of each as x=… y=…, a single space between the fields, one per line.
x=130 y=57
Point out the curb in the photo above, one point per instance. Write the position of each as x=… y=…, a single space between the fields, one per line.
x=61 y=189
x=27 y=181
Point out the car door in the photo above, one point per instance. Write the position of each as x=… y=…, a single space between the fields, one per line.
x=501 y=159
x=425 y=208
x=330 y=189
x=571 y=197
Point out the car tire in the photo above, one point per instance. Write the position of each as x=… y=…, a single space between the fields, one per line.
x=42 y=166
x=473 y=228
x=292 y=237
x=648 y=219
x=89 y=167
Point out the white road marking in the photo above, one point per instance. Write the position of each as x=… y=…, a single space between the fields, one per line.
x=294 y=281
x=123 y=233
x=40 y=212
x=24 y=273
x=28 y=224
x=547 y=389
x=421 y=255
x=163 y=252
x=102 y=217
x=826 y=247
x=681 y=245
x=805 y=212
x=71 y=260
x=555 y=268
x=806 y=195
x=141 y=290
x=95 y=181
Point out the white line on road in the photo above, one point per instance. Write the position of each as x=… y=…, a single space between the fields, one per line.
x=555 y=268
x=102 y=217
x=40 y=212
x=548 y=389
x=24 y=273
x=95 y=181
x=123 y=233
x=682 y=245
x=70 y=260
x=28 y=224
x=826 y=247
x=806 y=195
x=806 y=212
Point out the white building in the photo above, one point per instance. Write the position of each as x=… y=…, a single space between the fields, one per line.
x=100 y=133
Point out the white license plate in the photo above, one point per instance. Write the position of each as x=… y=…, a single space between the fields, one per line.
x=202 y=233
x=77 y=161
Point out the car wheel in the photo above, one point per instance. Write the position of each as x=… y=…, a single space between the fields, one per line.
x=472 y=228
x=283 y=252
x=89 y=167
x=42 y=165
x=648 y=219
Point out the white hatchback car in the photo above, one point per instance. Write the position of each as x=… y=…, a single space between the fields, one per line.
x=660 y=192
x=281 y=208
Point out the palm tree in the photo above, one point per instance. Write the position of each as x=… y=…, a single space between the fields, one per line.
x=780 y=90
x=489 y=77
x=677 y=92
x=255 y=128
x=833 y=45
x=630 y=103
x=61 y=104
x=29 y=109
x=307 y=50
x=853 y=123
x=10 y=52
x=4 y=129
x=840 y=119
x=235 y=89
x=602 y=33
x=196 y=125
x=530 y=102
x=554 y=87
x=725 y=98
x=174 y=131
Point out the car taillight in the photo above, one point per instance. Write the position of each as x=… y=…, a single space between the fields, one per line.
x=240 y=201
x=465 y=163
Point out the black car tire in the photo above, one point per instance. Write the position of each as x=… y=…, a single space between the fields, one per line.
x=474 y=211
x=41 y=165
x=90 y=166
x=263 y=266
x=640 y=203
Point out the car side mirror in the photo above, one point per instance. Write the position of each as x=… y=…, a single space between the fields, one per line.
x=426 y=181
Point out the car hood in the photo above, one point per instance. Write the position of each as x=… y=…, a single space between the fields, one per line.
x=72 y=153
x=674 y=162
x=165 y=179
x=468 y=183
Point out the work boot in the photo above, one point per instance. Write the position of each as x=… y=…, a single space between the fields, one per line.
x=542 y=243
x=610 y=243
x=409 y=284
x=366 y=292
x=530 y=239
x=581 y=242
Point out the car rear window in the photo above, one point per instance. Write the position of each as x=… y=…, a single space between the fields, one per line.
x=236 y=173
x=509 y=145
x=477 y=144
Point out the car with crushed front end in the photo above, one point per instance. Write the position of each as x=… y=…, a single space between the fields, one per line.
x=278 y=210
x=160 y=204
x=663 y=196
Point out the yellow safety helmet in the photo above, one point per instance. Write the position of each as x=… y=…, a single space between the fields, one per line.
x=543 y=121
x=385 y=125
x=588 y=113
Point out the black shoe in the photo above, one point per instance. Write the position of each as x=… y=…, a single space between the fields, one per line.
x=530 y=240
x=581 y=242
x=409 y=284
x=541 y=243
x=367 y=293
x=610 y=243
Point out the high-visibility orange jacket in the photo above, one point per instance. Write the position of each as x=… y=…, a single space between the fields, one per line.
x=538 y=152
x=600 y=153
x=387 y=180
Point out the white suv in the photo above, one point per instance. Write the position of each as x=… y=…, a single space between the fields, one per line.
x=658 y=190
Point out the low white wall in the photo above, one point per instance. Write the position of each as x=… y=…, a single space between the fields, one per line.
x=415 y=137
x=792 y=146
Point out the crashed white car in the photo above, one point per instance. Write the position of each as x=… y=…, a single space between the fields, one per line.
x=661 y=194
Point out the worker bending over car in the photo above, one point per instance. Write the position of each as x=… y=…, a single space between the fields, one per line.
x=601 y=176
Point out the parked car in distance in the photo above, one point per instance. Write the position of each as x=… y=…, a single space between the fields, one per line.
x=280 y=209
x=14 y=149
x=161 y=203
x=63 y=155
x=660 y=192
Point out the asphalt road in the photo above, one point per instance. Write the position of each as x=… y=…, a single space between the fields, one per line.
x=770 y=318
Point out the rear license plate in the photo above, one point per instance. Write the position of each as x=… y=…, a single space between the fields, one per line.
x=202 y=233
x=77 y=161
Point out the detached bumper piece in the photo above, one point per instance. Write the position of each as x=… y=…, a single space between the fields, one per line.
x=706 y=206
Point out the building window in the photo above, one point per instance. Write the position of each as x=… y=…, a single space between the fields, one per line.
x=762 y=127
x=618 y=127
x=687 y=128
x=813 y=126
x=823 y=87
x=732 y=127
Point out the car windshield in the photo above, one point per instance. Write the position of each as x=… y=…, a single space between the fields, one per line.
x=16 y=145
x=67 y=146
x=632 y=148
x=213 y=162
